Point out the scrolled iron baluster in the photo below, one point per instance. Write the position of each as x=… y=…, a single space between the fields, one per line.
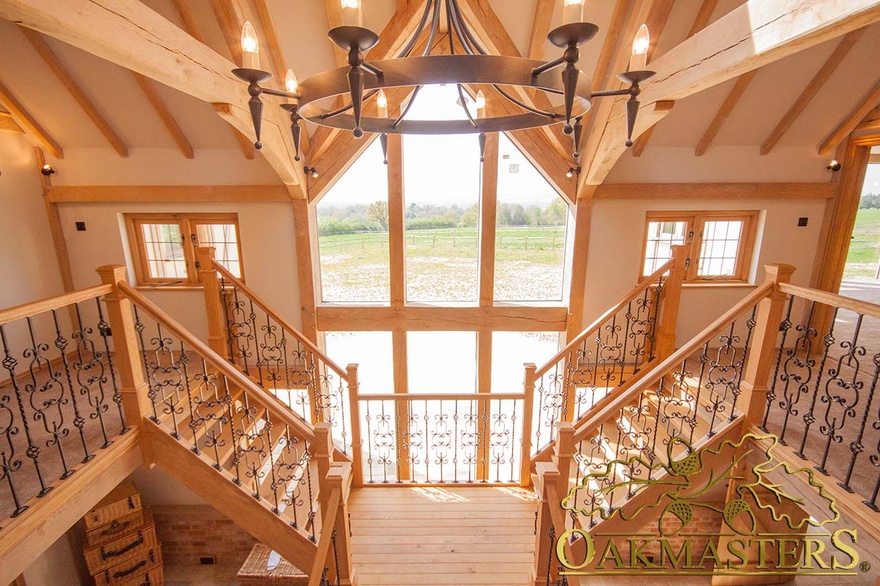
x=784 y=327
x=153 y=391
x=210 y=412
x=440 y=440
x=61 y=343
x=104 y=332
x=499 y=440
x=46 y=399
x=384 y=439
x=9 y=462
x=840 y=404
x=469 y=438
x=800 y=370
x=856 y=446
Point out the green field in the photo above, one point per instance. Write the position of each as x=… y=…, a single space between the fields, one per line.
x=442 y=264
x=864 y=248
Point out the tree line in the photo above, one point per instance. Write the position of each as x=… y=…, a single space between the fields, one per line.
x=354 y=218
x=870 y=201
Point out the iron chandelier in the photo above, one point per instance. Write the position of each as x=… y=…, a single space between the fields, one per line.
x=362 y=80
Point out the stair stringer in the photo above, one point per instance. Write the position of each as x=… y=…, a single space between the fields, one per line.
x=197 y=473
x=616 y=524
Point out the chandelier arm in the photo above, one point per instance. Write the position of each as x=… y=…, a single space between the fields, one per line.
x=450 y=28
x=547 y=66
x=458 y=27
x=407 y=107
x=435 y=23
x=605 y=93
x=467 y=32
x=374 y=70
x=344 y=109
x=523 y=105
x=410 y=45
x=464 y=106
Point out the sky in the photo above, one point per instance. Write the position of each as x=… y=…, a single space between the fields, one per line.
x=441 y=170
x=872 y=179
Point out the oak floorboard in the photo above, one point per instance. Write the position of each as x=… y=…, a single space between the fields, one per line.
x=441 y=536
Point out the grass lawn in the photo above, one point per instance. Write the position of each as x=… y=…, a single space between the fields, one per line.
x=864 y=248
x=442 y=264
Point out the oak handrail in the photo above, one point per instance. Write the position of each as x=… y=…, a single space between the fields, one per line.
x=37 y=307
x=597 y=323
x=596 y=418
x=441 y=397
x=280 y=320
x=833 y=299
x=264 y=398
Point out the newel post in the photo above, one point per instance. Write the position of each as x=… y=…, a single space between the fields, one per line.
x=563 y=453
x=357 y=469
x=545 y=537
x=134 y=386
x=217 y=334
x=754 y=385
x=339 y=477
x=323 y=456
x=671 y=303
x=525 y=478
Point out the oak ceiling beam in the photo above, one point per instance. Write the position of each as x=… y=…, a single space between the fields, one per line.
x=727 y=106
x=164 y=112
x=189 y=25
x=816 y=84
x=166 y=193
x=130 y=34
x=28 y=122
x=852 y=119
x=752 y=35
x=628 y=16
x=725 y=191
x=540 y=28
x=79 y=96
x=8 y=123
x=334 y=19
x=700 y=21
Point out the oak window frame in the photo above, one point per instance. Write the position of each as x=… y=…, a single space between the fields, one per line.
x=188 y=224
x=694 y=239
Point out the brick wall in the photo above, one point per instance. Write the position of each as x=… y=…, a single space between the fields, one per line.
x=188 y=532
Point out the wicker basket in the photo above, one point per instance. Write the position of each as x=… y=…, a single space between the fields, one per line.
x=253 y=572
x=132 y=570
x=132 y=545
x=154 y=577
x=122 y=500
x=115 y=529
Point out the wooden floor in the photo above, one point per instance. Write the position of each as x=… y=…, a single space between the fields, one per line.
x=454 y=535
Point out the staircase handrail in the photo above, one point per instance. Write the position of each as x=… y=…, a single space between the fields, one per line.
x=833 y=299
x=285 y=325
x=265 y=399
x=33 y=308
x=646 y=283
x=596 y=418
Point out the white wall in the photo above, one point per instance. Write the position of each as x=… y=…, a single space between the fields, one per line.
x=616 y=251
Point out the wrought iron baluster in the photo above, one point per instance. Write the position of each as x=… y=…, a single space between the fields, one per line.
x=9 y=462
x=784 y=327
x=800 y=371
x=104 y=331
x=61 y=343
x=46 y=398
x=856 y=446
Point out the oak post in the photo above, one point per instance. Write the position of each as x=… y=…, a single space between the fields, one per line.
x=357 y=467
x=339 y=478
x=754 y=385
x=525 y=478
x=134 y=387
x=671 y=303
x=323 y=460
x=563 y=453
x=217 y=334
x=544 y=544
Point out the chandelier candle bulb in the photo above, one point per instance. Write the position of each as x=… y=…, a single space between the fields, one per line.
x=639 y=59
x=572 y=11
x=250 y=47
x=290 y=82
x=481 y=104
x=382 y=104
x=351 y=13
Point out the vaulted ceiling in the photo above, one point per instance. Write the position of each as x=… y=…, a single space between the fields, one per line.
x=801 y=103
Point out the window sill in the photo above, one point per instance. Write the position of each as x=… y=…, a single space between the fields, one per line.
x=718 y=285
x=198 y=287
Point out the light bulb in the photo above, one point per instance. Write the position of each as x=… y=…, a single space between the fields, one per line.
x=290 y=82
x=382 y=104
x=481 y=100
x=250 y=47
x=572 y=11
x=639 y=59
x=351 y=13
